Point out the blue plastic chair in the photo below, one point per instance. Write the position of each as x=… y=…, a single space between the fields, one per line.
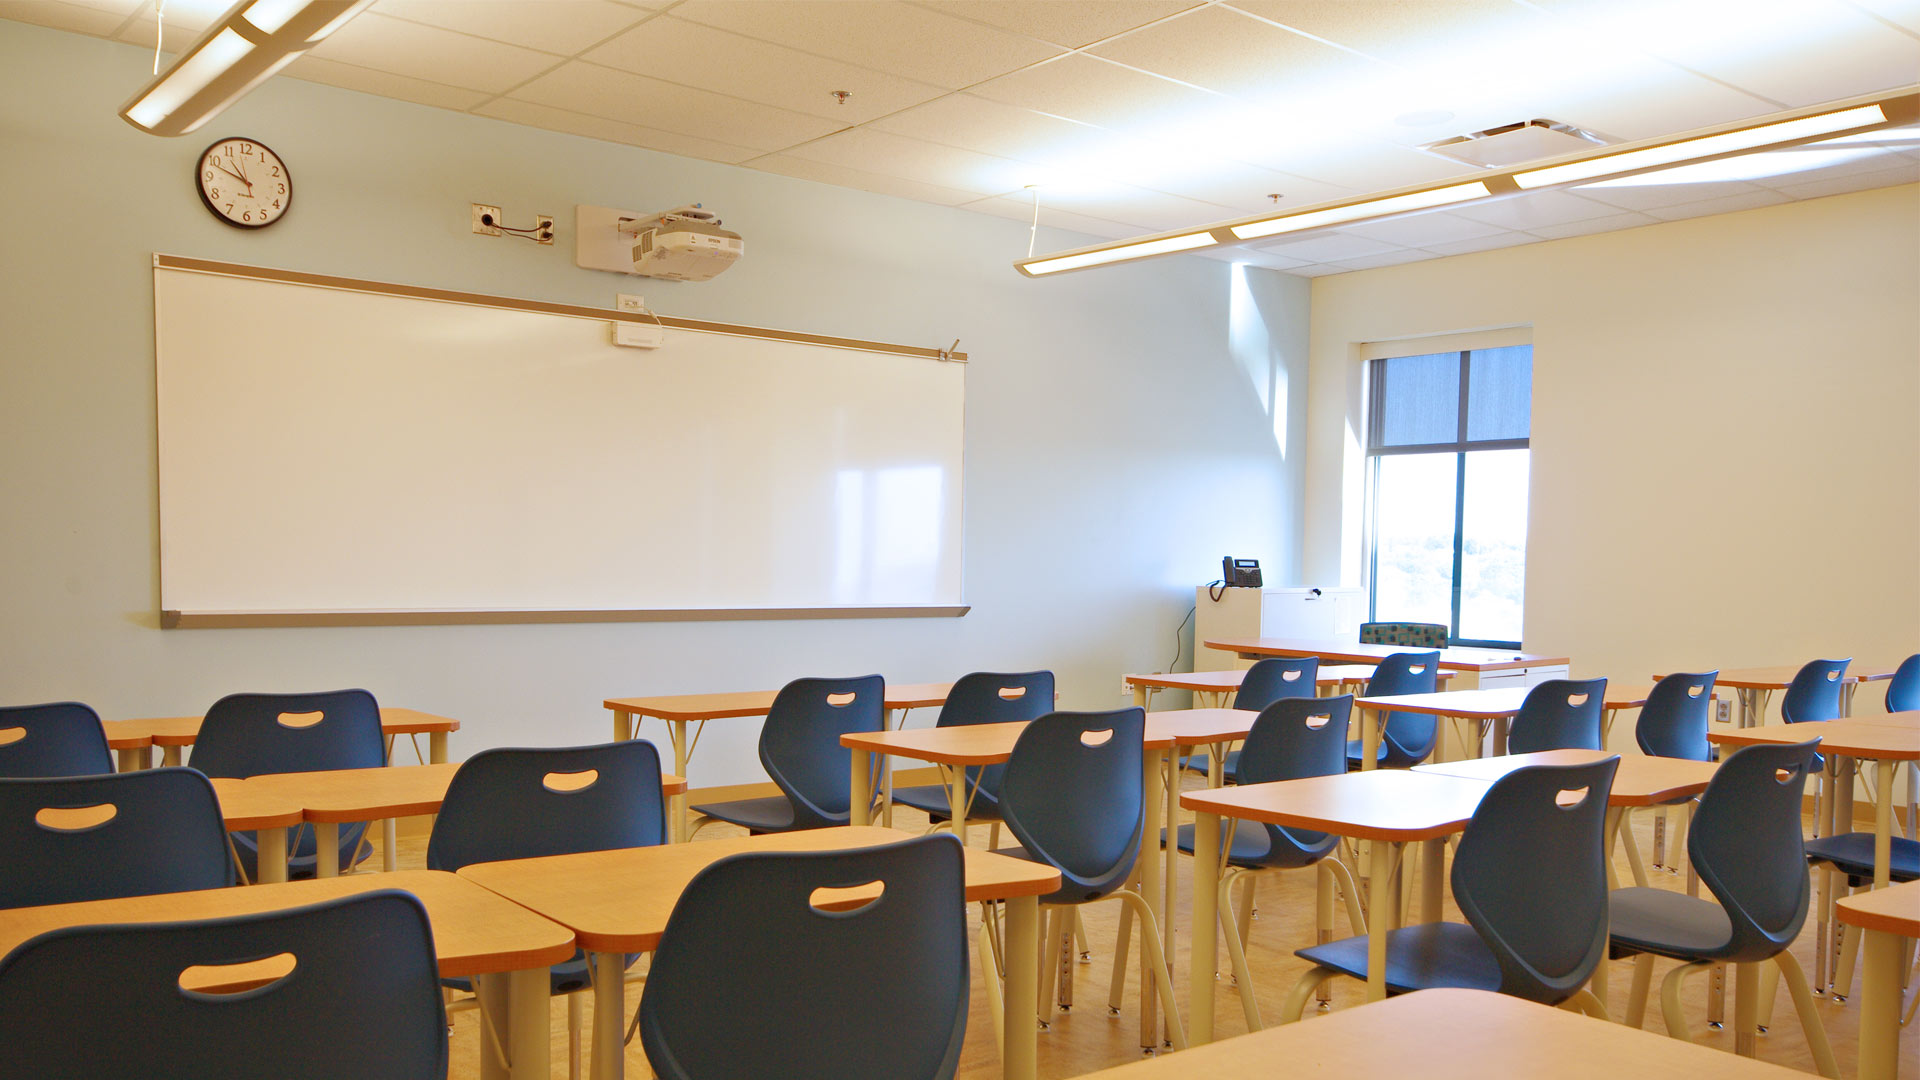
x=162 y=833
x=1292 y=739
x=982 y=697
x=1072 y=798
x=1903 y=690
x=1405 y=738
x=64 y=738
x=1536 y=925
x=517 y=803
x=1266 y=682
x=800 y=749
x=752 y=981
x=1745 y=844
x=254 y=734
x=361 y=999
x=1560 y=714
x=1814 y=693
x=1673 y=722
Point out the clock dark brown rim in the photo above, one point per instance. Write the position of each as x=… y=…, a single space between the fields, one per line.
x=200 y=190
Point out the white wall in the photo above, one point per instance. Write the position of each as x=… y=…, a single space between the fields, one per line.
x=1119 y=438
x=1726 y=459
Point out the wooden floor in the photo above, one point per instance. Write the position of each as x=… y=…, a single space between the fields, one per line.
x=1087 y=1038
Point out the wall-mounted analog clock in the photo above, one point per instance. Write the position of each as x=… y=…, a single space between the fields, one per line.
x=243 y=183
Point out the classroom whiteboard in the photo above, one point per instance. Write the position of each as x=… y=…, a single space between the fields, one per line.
x=333 y=452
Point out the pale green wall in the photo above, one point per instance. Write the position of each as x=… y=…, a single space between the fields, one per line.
x=1117 y=442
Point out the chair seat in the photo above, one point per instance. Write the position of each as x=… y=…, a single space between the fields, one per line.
x=1423 y=957
x=932 y=798
x=1669 y=924
x=1852 y=854
x=1199 y=763
x=772 y=814
x=1253 y=847
x=1357 y=753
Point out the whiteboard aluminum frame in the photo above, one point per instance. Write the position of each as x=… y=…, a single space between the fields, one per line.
x=172 y=619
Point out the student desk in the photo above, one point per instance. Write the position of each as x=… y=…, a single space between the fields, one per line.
x=1496 y=707
x=330 y=799
x=1213 y=688
x=678 y=710
x=1387 y=806
x=1754 y=687
x=1886 y=917
x=617 y=902
x=170 y=733
x=1477 y=661
x=246 y=808
x=1450 y=1035
x=507 y=948
x=954 y=749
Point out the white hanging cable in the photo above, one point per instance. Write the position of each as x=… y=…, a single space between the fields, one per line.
x=1033 y=231
x=160 y=33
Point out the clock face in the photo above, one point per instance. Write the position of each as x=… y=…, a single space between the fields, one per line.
x=244 y=183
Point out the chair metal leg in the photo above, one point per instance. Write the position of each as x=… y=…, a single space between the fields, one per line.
x=1150 y=938
x=1769 y=990
x=1849 y=951
x=1670 y=1009
x=1243 y=911
x=990 y=975
x=1323 y=923
x=1660 y=839
x=1121 y=941
x=1296 y=1000
x=1586 y=1003
x=1637 y=991
x=1746 y=1009
x=1049 y=943
x=1079 y=933
x=1803 y=1003
x=1717 y=997
x=1236 y=950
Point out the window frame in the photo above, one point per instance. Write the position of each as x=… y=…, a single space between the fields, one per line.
x=1460 y=447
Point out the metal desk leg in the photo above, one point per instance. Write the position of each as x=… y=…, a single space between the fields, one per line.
x=1206 y=899
x=389 y=845
x=622 y=725
x=1154 y=766
x=492 y=990
x=1369 y=739
x=1381 y=897
x=860 y=798
x=1880 y=1005
x=1433 y=861
x=892 y=720
x=530 y=1036
x=1882 y=822
x=170 y=756
x=609 y=1015
x=326 y=840
x=956 y=799
x=1746 y=1009
x=131 y=760
x=271 y=865
x=677 y=731
x=1020 y=1054
x=436 y=747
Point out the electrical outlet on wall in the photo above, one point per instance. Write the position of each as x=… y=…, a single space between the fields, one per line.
x=1723 y=710
x=633 y=302
x=486 y=219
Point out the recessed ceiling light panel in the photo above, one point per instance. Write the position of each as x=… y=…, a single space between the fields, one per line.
x=1516 y=144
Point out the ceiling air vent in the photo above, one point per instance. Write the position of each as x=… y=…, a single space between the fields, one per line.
x=1516 y=144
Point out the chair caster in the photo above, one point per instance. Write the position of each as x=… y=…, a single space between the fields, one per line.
x=1716 y=1025
x=1759 y=1030
x=1066 y=1008
x=1839 y=999
x=1045 y=1027
x=1324 y=1006
x=1111 y=1011
x=1086 y=958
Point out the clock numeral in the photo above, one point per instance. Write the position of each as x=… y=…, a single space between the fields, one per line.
x=229 y=150
x=214 y=194
x=248 y=216
x=229 y=208
x=283 y=189
x=276 y=170
x=209 y=176
x=276 y=204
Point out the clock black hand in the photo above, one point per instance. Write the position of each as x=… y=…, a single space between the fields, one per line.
x=229 y=172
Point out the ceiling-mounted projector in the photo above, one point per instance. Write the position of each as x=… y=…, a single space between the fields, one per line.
x=685 y=244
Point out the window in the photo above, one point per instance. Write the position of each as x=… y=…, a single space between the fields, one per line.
x=1447 y=443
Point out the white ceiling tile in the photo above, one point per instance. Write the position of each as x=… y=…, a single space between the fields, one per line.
x=595 y=127
x=1535 y=209
x=1093 y=91
x=1483 y=243
x=1588 y=226
x=1819 y=189
x=1725 y=204
x=1648 y=197
x=1068 y=23
x=1783 y=50
x=1877 y=160
x=1151 y=211
x=433 y=54
x=908 y=41
x=1362 y=166
x=384 y=83
x=1424 y=230
x=1401 y=32
x=1329 y=247
x=1391 y=258
x=555 y=26
x=924 y=162
x=636 y=99
x=990 y=127
x=1240 y=187
x=1643 y=99
x=1318 y=270
x=124 y=8
x=841 y=176
x=1252 y=257
x=687 y=53
x=1019 y=209
x=77 y=18
x=1226 y=51
x=184 y=23
x=1899 y=12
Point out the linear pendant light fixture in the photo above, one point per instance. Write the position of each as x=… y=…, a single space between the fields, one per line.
x=1806 y=125
x=254 y=39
